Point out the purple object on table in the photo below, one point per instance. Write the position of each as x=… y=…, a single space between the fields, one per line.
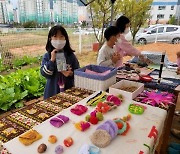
x=109 y=126
x=59 y=121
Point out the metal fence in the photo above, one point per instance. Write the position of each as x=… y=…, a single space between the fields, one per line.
x=32 y=42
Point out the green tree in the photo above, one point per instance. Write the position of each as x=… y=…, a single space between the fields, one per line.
x=101 y=15
x=137 y=11
x=30 y=24
x=172 y=20
x=84 y=24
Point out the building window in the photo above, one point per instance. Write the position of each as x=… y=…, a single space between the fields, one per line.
x=160 y=16
x=172 y=7
x=161 y=7
x=170 y=16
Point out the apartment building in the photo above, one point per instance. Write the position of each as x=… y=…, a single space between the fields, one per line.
x=34 y=10
x=65 y=11
x=163 y=10
x=46 y=11
x=6 y=11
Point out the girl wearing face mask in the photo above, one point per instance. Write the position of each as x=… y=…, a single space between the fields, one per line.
x=123 y=47
x=59 y=62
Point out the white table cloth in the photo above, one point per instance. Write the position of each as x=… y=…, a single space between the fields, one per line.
x=132 y=143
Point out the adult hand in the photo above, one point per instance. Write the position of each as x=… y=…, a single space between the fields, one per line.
x=53 y=55
x=144 y=59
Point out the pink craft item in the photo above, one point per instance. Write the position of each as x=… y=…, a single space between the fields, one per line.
x=114 y=99
x=79 y=109
x=154 y=98
x=97 y=73
x=85 y=125
x=93 y=113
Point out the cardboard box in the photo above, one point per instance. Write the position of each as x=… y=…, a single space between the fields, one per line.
x=115 y=89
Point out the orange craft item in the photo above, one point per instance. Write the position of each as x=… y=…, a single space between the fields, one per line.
x=68 y=142
x=103 y=107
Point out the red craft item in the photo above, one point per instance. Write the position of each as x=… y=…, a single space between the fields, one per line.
x=93 y=120
x=68 y=142
x=120 y=125
x=103 y=107
x=146 y=78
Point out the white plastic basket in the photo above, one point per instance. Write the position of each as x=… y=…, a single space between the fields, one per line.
x=95 y=82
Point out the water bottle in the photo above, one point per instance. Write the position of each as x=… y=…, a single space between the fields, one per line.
x=61 y=61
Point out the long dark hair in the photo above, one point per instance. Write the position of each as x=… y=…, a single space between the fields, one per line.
x=53 y=31
x=121 y=23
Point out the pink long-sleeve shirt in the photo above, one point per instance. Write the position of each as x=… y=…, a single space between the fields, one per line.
x=124 y=48
x=178 y=62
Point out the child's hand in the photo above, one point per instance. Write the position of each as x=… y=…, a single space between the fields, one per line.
x=53 y=55
x=67 y=73
x=178 y=71
x=115 y=57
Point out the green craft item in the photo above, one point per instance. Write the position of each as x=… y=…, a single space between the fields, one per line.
x=97 y=101
x=136 y=109
x=87 y=118
x=99 y=115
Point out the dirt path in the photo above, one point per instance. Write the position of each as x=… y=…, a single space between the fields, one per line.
x=90 y=57
x=171 y=49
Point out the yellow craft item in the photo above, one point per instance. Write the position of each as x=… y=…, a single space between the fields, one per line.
x=29 y=137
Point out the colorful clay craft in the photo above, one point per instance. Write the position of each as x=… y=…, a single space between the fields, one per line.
x=82 y=125
x=94 y=117
x=99 y=115
x=126 y=118
x=112 y=105
x=146 y=78
x=52 y=139
x=102 y=107
x=156 y=98
x=59 y=121
x=68 y=142
x=93 y=120
x=42 y=148
x=59 y=149
x=88 y=149
x=114 y=99
x=123 y=126
x=101 y=138
x=101 y=96
x=104 y=133
x=136 y=109
x=109 y=126
x=79 y=109
x=29 y=137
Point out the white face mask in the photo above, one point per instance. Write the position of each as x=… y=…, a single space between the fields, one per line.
x=127 y=30
x=58 y=44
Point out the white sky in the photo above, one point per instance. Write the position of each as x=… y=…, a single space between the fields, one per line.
x=14 y=3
